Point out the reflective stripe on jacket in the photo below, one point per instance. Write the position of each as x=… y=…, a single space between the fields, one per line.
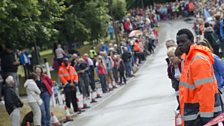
x=67 y=74
x=198 y=91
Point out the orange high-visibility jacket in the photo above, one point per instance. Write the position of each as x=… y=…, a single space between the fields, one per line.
x=198 y=90
x=137 y=47
x=67 y=74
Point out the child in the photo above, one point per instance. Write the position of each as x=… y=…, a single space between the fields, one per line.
x=121 y=69
x=34 y=100
x=12 y=101
x=55 y=90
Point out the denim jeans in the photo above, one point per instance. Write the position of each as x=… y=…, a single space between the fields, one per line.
x=115 y=73
x=128 y=68
x=103 y=82
x=15 y=117
x=45 y=109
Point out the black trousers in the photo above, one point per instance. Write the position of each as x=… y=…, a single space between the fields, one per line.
x=70 y=97
x=122 y=76
x=91 y=78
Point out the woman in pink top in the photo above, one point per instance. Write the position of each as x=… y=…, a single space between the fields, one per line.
x=102 y=74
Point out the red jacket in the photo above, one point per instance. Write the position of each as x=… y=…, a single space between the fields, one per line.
x=101 y=69
x=47 y=82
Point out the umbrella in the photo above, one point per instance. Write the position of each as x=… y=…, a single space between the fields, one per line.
x=135 y=33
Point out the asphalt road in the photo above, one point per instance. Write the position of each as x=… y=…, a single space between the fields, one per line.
x=147 y=100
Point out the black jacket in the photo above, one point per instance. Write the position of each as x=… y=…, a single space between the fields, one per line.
x=12 y=101
x=126 y=56
x=7 y=62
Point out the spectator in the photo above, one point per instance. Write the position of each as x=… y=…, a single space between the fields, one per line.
x=9 y=64
x=25 y=61
x=69 y=79
x=218 y=66
x=212 y=38
x=35 y=60
x=121 y=69
x=170 y=43
x=198 y=87
x=59 y=54
x=115 y=67
x=109 y=67
x=45 y=85
x=92 y=52
x=34 y=100
x=104 y=47
x=217 y=31
x=111 y=31
x=82 y=69
x=12 y=101
x=56 y=91
x=126 y=57
x=102 y=72
x=90 y=71
x=174 y=70
x=137 y=51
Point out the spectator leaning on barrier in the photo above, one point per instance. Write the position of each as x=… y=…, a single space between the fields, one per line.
x=90 y=71
x=45 y=85
x=174 y=71
x=12 y=101
x=198 y=90
x=102 y=73
x=69 y=78
x=126 y=57
x=83 y=73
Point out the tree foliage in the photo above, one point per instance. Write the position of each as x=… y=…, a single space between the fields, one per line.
x=25 y=22
x=138 y=3
x=118 y=9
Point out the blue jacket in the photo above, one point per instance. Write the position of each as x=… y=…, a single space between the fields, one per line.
x=219 y=70
x=23 y=58
x=104 y=47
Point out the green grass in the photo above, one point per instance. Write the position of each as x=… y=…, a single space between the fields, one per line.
x=4 y=117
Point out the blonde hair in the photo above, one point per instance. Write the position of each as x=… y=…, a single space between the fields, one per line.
x=171 y=50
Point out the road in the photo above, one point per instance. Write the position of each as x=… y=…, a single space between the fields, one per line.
x=147 y=100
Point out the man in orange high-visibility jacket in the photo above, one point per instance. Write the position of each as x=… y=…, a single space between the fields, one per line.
x=69 y=78
x=198 y=91
x=137 y=51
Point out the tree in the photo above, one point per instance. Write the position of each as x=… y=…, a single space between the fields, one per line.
x=138 y=3
x=24 y=22
x=84 y=21
x=118 y=9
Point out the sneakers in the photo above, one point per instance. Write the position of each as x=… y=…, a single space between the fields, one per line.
x=98 y=96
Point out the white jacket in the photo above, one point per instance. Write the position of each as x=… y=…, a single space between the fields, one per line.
x=33 y=92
